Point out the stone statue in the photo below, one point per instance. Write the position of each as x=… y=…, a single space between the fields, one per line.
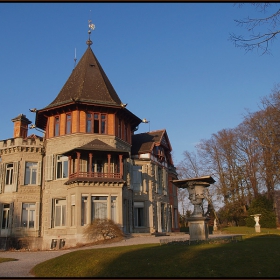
x=257 y=218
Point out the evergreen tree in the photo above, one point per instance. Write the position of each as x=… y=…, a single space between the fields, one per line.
x=264 y=206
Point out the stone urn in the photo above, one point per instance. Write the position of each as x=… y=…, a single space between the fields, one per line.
x=198 y=224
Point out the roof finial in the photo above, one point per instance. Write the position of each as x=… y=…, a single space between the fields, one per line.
x=91 y=26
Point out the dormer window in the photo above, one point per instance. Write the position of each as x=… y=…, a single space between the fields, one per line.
x=96 y=123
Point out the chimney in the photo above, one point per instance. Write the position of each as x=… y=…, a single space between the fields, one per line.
x=21 y=126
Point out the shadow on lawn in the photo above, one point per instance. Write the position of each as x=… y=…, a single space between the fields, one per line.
x=256 y=257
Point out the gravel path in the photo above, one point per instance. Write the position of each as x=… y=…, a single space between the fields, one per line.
x=27 y=260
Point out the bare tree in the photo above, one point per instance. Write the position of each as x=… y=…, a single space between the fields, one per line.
x=190 y=167
x=262 y=30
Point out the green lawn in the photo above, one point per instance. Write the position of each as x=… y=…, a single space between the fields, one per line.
x=250 y=231
x=255 y=256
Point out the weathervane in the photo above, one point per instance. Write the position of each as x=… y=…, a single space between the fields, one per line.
x=91 y=26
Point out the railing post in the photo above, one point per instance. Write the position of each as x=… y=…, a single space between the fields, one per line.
x=69 y=165
x=90 y=164
x=78 y=163
x=121 y=166
x=109 y=165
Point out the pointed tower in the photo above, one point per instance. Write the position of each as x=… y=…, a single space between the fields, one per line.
x=87 y=88
x=87 y=153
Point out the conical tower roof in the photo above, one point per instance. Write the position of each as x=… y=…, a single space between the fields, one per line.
x=87 y=83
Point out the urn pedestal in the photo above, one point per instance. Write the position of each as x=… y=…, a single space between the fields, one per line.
x=198 y=224
x=198 y=228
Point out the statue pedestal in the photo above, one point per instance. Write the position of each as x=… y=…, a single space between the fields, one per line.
x=198 y=228
x=258 y=228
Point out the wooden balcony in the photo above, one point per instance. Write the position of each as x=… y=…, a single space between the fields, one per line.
x=100 y=175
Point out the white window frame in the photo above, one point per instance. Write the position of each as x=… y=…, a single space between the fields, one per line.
x=35 y=167
x=30 y=208
x=61 y=165
x=95 y=202
x=6 y=208
x=59 y=216
x=13 y=177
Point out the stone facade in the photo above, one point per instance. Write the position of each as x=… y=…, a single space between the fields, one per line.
x=84 y=167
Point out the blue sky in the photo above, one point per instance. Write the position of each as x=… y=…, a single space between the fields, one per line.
x=171 y=62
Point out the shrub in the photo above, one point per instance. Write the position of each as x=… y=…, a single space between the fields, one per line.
x=102 y=229
x=262 y=205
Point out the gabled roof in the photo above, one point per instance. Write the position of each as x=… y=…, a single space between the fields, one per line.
x=87 y=83
x=145 y=142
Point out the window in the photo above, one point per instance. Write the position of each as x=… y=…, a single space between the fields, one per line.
x=30 y=177
x=137 y=178
x=68 y=123
x=114 y=208
x=138 y=214
x=73 y=208
x=9 y=177
x=89 y=123
x=84 y=211
x=60 y=212
x=56 y=126
x=62 y=167
x=28 y=215
x=99 y=207
x=9 y=173
x=96 y=123
x=5 y=216
x=103 y=124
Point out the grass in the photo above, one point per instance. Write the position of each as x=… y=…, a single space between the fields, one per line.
x=255 y=256
x=250 y=231
x=7 y=260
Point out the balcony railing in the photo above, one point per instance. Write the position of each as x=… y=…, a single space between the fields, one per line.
x=95 y=175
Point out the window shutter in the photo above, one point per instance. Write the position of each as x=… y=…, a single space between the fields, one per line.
x=11 y=213
x=156 y=178
x=22 y=173
x=37 y=215
x=2 y=173
x=18 y=217
x=15 y=175
x=73 y=199
x=165 y=209
x=159 y=216
x=164 y=181
x=49 y=168
x=51 y=225
x=145 y=178
x=39 y=177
